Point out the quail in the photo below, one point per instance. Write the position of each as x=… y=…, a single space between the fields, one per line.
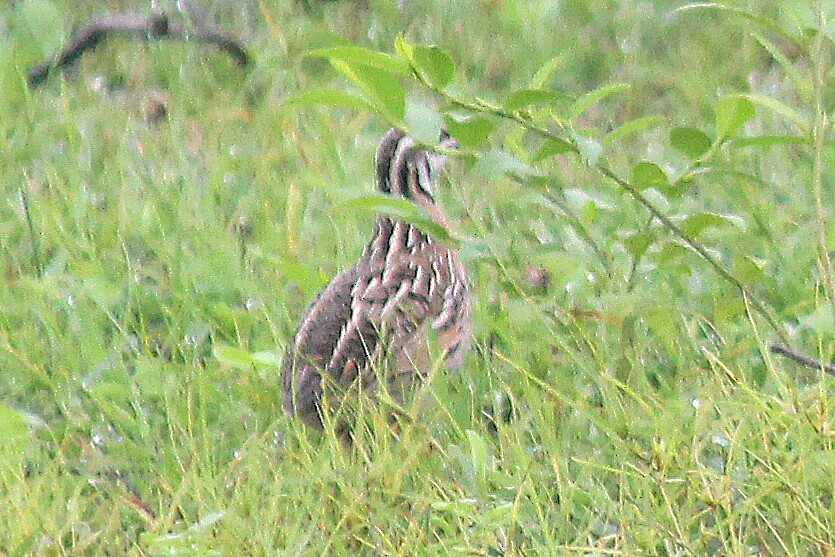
x=370 y=327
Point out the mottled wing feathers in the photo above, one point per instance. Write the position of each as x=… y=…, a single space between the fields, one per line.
x=375 y=318
x=312 y=347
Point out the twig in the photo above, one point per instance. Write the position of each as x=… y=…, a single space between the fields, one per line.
x=482 y=107
x=759 y=306
x=144 y=27
x=801 y=358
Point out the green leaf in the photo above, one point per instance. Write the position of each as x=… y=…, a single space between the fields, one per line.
x=233 y=357
x=671 y=251
x=749 y=269
x=356 y=55
x=731 y=114
x=725 y=308
x=267 y=358
x=589 y=148
x=191 y=542
x=14 y=438
x=423 y=122
x=435 y=64
x=514 y=141
x=821 y=321
x=632 y=127
x=803 y=121
x=544 y=73
x=580 y=199
x=695 y=224
x=480 y=456
x=589 y=212
x=400 y=209
x=647 y=175
x=379 y=86
x=244 y=359
x=464 y=508
x=551 y=147
x=329 y=97
x=310 y=279
x=803 y=16
x=658 y=199
x=44 y=22
x=404 y=48
x=690 y=142
x=529 y=97
x=470 y=131
x=664 y=324
x=205 y=524
x=498 y=163
x=593 y=97
x=638 y=243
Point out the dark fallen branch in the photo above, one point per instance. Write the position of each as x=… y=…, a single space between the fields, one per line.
x=801 y=358
x=144 y=27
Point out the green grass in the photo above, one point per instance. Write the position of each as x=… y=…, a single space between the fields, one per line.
x=626 y=405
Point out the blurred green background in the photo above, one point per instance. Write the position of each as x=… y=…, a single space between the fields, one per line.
x=167 y=216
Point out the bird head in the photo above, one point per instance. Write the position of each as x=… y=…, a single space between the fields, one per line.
x=408 y=170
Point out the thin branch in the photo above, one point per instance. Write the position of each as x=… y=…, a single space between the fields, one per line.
x=802 y=359
x=720 y=269
x=481 y=106
x=144 y=27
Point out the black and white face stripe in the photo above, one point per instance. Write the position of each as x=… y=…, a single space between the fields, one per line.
x=407 y=171
x=402 y=166
x=385 y=153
